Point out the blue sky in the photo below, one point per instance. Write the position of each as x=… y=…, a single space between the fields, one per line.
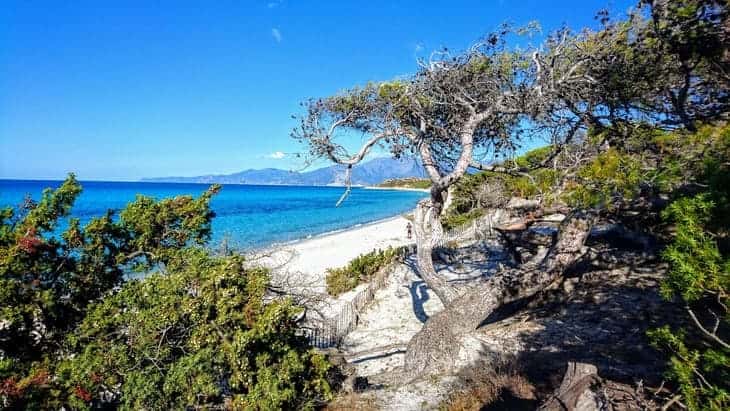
x=124 y=90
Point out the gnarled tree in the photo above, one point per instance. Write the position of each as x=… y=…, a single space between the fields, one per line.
x=453 y=113
x=457 y=111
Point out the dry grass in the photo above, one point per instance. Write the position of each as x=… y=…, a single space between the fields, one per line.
x=352 y=402
x=483 y=385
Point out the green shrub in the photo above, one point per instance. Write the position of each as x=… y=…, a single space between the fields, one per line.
x=47 y=281
x=199 y=337
x=361 y=269
x=699 y=275
x=699 y=268
x=195 y=332
x=610 y=179
x=534 y=157
x=420 y=183
x=453 y=220
x=470 y=199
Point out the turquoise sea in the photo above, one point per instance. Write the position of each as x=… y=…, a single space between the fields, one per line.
x=248 y=216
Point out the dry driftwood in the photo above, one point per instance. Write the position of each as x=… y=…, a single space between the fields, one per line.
x=582 y=389
x=576 y=391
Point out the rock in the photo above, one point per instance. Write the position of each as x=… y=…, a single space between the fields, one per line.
x=516 y=203
x=553 y=218
x=569 y=285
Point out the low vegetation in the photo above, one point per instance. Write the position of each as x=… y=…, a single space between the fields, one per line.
x=195 y=332
x=420 y=183
x=484 y=387
x=689 y=170
x=699 y=275
x=360 y=270
x=475 y=193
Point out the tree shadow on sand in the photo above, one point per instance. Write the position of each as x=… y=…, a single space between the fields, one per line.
x=419 y=296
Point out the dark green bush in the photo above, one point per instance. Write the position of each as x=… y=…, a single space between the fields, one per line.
x=610 y=179
x=699 y=277
x=200 y=337
x=74 y=333
x=699 y=267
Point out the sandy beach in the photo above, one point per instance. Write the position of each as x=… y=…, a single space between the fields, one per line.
x=306 y=261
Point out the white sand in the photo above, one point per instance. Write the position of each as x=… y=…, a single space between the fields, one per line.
x=394 y=317
x=398 y=310
x=309 y=259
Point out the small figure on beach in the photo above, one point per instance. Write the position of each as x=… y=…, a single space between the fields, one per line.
x=409 y=230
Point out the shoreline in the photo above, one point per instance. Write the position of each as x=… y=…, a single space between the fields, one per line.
x=305 y=261
x=422 y=190
x=278 y=245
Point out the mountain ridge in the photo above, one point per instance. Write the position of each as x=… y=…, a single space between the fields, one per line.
x=371 y=172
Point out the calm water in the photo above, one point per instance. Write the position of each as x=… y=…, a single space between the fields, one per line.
x=250 y=216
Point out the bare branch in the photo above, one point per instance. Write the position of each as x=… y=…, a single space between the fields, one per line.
x=714 y=337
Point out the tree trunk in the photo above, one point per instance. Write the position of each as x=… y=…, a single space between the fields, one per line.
x=429 y=232
x=436 y=347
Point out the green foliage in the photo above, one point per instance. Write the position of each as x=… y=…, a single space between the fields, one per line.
x=541 y=182
x=46 y=282
x=688 y=367
x=361 y=269
x=420 y=183
x=195 y=332
x=697 y=265
x=700 y=276
x=199 y=336
x=533 y=157
x=487 y=189
x=699 y=270
x=457 y=219
x=645 y=160
x=612 y=178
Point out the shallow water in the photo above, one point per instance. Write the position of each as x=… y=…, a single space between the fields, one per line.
x=248 y=216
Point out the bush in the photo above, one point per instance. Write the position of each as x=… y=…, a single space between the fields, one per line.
x=454 y=220
x=699 y=267
x=699 y=275
x=195 y=332
x=47 y=280
x=609 y=180
x=199 y=337
x=421 y=183
x=361 y=269
x=476 y=192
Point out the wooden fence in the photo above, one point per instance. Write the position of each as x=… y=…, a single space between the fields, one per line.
x=331 y=332
x=479 y=229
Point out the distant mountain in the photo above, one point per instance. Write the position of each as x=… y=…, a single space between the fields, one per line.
x=369 y=173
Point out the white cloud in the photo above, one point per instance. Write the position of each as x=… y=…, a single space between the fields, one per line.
x=276 y=155
x=276 y=34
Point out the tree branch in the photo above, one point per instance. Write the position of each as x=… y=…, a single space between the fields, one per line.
x=710 y=335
